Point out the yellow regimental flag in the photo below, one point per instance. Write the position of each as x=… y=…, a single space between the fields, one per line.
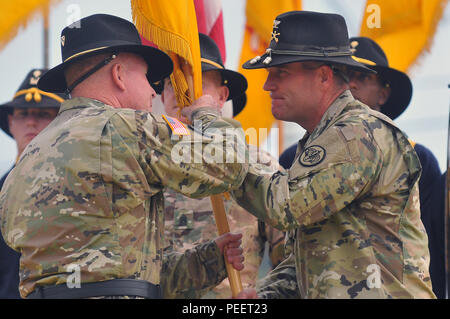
x=403 y=28
x=17 y=14
x=260 y=14
x=172 y=26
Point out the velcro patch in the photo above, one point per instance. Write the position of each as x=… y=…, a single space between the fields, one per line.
x=178 y=128
x=312 y=155
x=348 y=133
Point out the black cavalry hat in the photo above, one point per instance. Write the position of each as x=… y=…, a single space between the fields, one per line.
x=212 y=60
x=28 y=95
x=370 y=53
x=307 y=36
x=239 y=104
x=235 y=81
x=102 y=33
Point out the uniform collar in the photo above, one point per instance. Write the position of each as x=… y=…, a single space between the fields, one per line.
x=80 y=102
x=332 y=112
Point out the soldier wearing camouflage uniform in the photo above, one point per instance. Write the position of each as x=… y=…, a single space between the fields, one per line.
x=389 y=92
x=189 y=221
x=350 y=200
x=23 y=118
x=84 y=205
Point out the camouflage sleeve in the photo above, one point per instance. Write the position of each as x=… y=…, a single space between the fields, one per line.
x=275 y=238
x=280 y=283
x=210 y=160
x=309 y=193
x=187 y=275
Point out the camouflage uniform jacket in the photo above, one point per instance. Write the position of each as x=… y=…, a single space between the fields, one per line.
x=190 y=222
x=350 y=203
x=87 y=191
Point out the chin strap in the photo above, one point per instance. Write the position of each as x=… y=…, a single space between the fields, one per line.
x=90 y=72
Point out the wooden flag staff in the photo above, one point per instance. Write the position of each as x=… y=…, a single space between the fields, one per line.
x=217 y=205
x=222 y=227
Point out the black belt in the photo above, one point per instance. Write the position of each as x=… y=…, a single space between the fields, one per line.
x=115 y=287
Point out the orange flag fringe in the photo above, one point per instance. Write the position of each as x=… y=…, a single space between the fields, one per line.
x=260 y=15
x=15 y=15
x=172 y=26
x=403 y=28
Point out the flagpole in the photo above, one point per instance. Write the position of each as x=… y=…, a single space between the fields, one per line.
x=223 y=227
x=46 y=11
x=220 y=215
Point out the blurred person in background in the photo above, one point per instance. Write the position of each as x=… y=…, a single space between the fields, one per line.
x=29 y=112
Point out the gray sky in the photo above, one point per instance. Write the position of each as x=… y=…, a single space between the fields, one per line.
x=425 y=121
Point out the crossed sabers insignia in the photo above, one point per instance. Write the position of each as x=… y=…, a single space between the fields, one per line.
x=353 y=46
x=35 y=77
x=275 y=34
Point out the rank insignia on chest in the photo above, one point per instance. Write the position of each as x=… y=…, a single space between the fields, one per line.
x=312 y=155
x=177 y=127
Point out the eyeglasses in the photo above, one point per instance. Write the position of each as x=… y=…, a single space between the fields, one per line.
x=22 y=115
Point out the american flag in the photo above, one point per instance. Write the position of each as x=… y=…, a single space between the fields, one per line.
x=210 y=21
x=176 y=125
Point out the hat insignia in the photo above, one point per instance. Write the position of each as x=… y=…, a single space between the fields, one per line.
x=35 y=77
x=276 y=23
x=353 y=46
x=275 y=34
x=63 y=40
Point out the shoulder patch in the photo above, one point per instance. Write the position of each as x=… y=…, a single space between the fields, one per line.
x=177 y=127
x=312 y=155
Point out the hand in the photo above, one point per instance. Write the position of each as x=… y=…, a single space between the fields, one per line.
x=247 y=293
x=202 y=101
x=230 y=244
